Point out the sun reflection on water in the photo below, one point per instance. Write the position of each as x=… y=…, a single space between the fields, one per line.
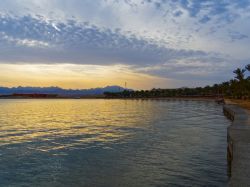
x=112 y=143
x=51 y=120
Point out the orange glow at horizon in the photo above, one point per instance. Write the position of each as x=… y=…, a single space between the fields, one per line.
x=76 y=76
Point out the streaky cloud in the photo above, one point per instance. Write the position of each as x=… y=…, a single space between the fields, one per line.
x=29 y=39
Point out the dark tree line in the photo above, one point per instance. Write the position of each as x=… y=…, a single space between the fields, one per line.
x=238 y=87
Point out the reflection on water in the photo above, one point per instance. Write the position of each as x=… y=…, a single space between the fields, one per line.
x=112 y=143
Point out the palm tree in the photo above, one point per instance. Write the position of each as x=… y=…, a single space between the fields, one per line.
x=240 y=74
x=225 y=86
x=248 y=81
x=241 y=84
x=248 y=67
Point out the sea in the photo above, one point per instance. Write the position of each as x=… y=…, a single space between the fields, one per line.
x=112 y=142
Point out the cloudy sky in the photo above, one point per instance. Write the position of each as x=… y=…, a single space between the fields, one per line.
x=147 y=43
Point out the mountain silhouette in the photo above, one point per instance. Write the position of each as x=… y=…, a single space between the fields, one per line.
x=59 y=91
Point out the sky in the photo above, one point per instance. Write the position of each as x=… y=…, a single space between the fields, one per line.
x=146 y=43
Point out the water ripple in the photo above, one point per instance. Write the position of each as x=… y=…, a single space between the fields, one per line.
x=112 y=143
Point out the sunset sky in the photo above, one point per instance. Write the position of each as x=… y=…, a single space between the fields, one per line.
x=146 y=43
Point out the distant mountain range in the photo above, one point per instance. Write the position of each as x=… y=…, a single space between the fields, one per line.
x=59 y=91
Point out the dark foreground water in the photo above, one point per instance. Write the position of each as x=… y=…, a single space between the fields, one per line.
x=112 y=143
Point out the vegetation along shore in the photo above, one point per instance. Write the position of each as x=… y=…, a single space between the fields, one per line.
x=234 y=89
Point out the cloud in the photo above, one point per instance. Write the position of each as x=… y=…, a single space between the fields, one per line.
x=237 y=36
x=205 y=19
x=178 y=13
x=173 y=39
x=72 y=42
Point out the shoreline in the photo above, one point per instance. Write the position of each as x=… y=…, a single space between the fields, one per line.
x=242 y=103
x=198 y=98
x=238 y=149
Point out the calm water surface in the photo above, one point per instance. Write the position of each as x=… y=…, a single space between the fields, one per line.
x=112 y=143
